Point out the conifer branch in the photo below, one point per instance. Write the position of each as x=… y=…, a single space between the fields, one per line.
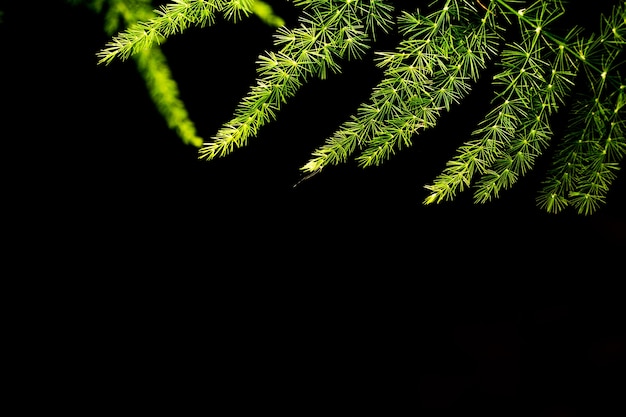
x=534 y=133
x=170 y=19
x=444 y=49
x=428 y=72
x=153 y=67
x=523 y=67
x=424 y=102
x=330 y=30
x=586 y=161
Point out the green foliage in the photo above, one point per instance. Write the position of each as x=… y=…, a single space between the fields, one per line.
x=433 y=67
x=541 y=67
x=329 y=31
x=588 y=157
x=176 y=17
x=151 y=63
x=142 y=30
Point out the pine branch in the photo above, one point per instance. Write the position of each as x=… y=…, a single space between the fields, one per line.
x=442 y=53
x=428 y=72
x=164 y=92
x=170 y=19
x=153 y=67
x=585 y=163
x=522 y=72
x=329 y=31
x=236 y=10
x=534 y=133
x=423 y=103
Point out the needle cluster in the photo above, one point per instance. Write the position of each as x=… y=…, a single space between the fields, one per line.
x=541 y=67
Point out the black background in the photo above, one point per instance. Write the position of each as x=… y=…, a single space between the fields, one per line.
x=204 y=284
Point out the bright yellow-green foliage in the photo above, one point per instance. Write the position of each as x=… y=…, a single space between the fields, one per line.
x=332 y=31
x=152 y=64
x=175 y=18
x=265 y=12
x=153 y=67
x=541 y=68
x=142 y=29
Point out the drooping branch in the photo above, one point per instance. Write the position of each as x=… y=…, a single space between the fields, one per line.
x=588 y=157
x=329 y=32
x=172 y=18
x=430 y=70
x=521 y=76
x=153 y=67
x=442 y=52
